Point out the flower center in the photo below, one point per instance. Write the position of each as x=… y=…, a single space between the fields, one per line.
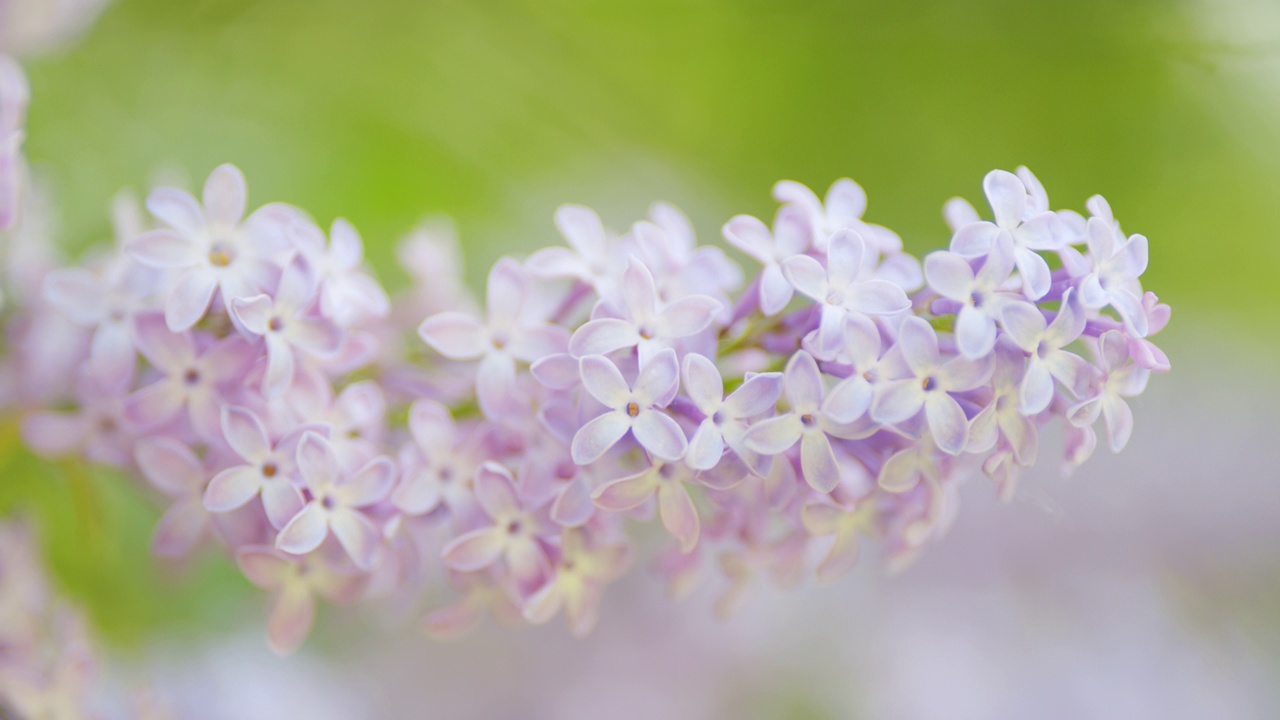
x=808 y=420
x=270 y=469
x=191 y=376
x=929 y=384
x=221 y=254
x=328 y=503
x=275 y=324
x=514 y=527
x=633 y=409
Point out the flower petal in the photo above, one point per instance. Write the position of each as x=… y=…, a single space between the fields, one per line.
x=603 y=335
x=706 y=447
x=455 y=335
x=626 y=493
x=1007 y=195
x=475 y=550
x=660 y=435
x=658 y=379
x=1037 y=388
x=807 y=276
x=154 y=404
x=774 y=435
x=232 y=488
x=604 y=381
x=758 y=394
x=317 y=462
x=687 y=316
x=595 y=438
x=370 y=484
x=775 y=290
x=949 y=274
x=818 y=462
x=225 y=196
x=357 y=535
x=947 y=422
x=180 y=528
x=305 y=531
x=292 y=615
x=679 y=516
x=163 y=249
x=169 y=466
x=190 y=298
x=975 y=332
x=877 y=297
x=803 y=383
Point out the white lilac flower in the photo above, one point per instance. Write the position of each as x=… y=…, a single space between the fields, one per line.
x=338 y=502
x=1027 y=220
x=980 y=294
x=726 y=418
x=810 y=421
x=211 y=248
x=1120 y=378
x=637 y=409
x=348 y=294
x=839 y=292
x=1116 y=264
x=792 y=234
x=645 y=322
x=928 y=383
x=1044 y=342
x=267 y=471
x=287 y=325
x=509 y=334
x=510 y=535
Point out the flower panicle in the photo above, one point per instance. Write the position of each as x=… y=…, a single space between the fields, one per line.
x=341 y=442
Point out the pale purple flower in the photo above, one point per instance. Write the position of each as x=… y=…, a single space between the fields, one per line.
x=667 y=245
x=1044 y=341
x=1141 y=349
x=631 y=409
x=267 y=470
x=209 y=247
x=509 y=334
x=1031 y=227
x=928 y=384
x=577 y=582
x=511 y=535
x=295 y=582
x=287 y=326
x=174 y=470
x=645 y=323
x=809 y=422
x=439 y=466
x=357 y=422
x=1116 y=264
x=666 y=481
x=726 y=418
x=106 y=301
x=792 y=234
x=338 y=502
x=845 y=525
x=1003 y=421
x=594 y=257
x=97 y=429
x=841 y=209
x=348 y=294
x=851 y=397
x=1120 y=378
x=839 y=292
x=191 y=376
x=979 y=294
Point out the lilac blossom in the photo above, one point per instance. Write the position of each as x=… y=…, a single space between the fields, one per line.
x=726 y=418
x=1044 y=342
x=1116 y=264
x=1119 y=378
x=810 y=422
x=507 y=336
x=792 y=234
x=1027 y=221
x=295 y=583
x=635 y=409
x=511 y=535
x=979 y=294
x=286 y=325
x=174 y=470
x=348 y=294
x=928 y=383
x=666 y=481
x=337 y=503
x=644 y=323
x=267 y=470
x=191 y=377
x=212 y=246
x=577 y=583
x=838 y=290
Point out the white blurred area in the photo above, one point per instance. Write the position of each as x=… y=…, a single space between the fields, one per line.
x=1147 y=586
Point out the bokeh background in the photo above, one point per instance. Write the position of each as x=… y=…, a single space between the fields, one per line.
x=1146 y=586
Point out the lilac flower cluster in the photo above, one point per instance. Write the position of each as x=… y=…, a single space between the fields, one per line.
x=250 y=368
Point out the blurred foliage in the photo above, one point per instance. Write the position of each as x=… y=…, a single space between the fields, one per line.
x=494 y=112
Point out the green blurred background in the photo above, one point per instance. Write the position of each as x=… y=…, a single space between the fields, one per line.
x=495 y=112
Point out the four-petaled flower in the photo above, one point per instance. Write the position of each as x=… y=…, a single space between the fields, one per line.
x=511 y=535
x=268 y=470
x=337 y=503
x=1030 y=226
x=637 y=410
x=726 y=418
